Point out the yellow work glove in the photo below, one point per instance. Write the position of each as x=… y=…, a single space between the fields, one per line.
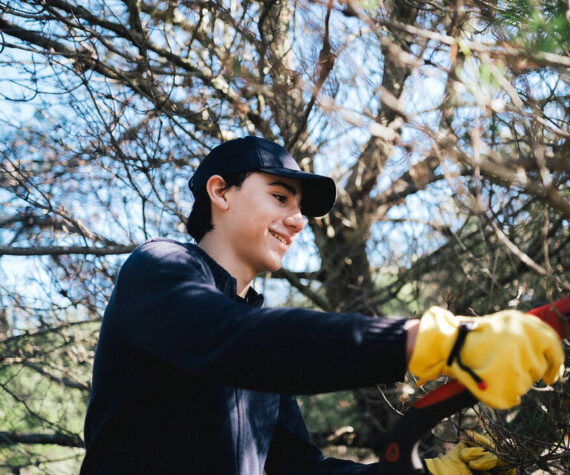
x=500 y=357
x=468 y=456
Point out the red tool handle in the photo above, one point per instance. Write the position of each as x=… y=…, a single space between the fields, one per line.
x=556 y=315
x=400 y=454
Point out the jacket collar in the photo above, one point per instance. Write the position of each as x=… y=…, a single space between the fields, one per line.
x=226 y=283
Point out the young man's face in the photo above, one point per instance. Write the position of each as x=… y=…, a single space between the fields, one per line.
x=263 y=219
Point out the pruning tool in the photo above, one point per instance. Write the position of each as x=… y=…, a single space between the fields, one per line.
x=400 y=452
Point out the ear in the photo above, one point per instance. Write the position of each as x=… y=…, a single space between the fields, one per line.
x=217 y=189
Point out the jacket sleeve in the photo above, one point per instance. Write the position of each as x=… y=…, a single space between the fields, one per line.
x=168 y=307
x=291 y=451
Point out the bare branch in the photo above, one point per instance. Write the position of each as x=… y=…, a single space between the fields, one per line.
x=64 y=440
x=64 y=250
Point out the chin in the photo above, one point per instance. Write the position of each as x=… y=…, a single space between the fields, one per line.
x=273 y=266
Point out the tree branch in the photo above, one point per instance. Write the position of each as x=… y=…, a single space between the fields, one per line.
x=13 y=438
x=294 y=280
x=539 y=58
x=64 y=250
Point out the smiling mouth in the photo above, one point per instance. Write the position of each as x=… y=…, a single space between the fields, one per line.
x=279 y=238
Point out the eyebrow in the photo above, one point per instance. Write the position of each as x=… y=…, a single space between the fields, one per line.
x=288 y=187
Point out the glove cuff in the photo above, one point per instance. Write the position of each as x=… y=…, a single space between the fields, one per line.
x=454 y=356
x=437 y=334
x=431 y=465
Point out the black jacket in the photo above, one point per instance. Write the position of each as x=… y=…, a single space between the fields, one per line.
x=189 y=378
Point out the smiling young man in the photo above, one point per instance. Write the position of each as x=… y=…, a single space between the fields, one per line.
x=193 y=376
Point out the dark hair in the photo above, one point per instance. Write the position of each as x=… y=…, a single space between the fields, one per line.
x=200 y=219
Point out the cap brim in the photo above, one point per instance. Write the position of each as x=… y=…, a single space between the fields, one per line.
x=318 y=192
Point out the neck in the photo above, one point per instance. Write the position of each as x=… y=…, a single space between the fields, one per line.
x=218 y=251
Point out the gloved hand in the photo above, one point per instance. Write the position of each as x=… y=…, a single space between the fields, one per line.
x=499 y=358
x=472 y=454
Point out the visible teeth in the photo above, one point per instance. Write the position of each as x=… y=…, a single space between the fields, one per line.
x=279 y=238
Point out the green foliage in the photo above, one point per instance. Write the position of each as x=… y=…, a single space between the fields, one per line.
x=337 y=426
x=33 y=404
x=537 y=25
x=44 y=391
x=327 y=412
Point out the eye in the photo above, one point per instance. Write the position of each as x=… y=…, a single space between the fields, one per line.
x=280 y=198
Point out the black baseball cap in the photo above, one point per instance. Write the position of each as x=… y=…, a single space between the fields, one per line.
x=318 y=192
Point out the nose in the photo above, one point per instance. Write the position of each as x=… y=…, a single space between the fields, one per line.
x=295 y=221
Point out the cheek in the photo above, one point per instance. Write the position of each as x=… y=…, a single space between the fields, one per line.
x=251 y=220
x=258 y=213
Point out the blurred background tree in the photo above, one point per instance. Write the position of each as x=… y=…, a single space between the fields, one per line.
x=445 y=124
